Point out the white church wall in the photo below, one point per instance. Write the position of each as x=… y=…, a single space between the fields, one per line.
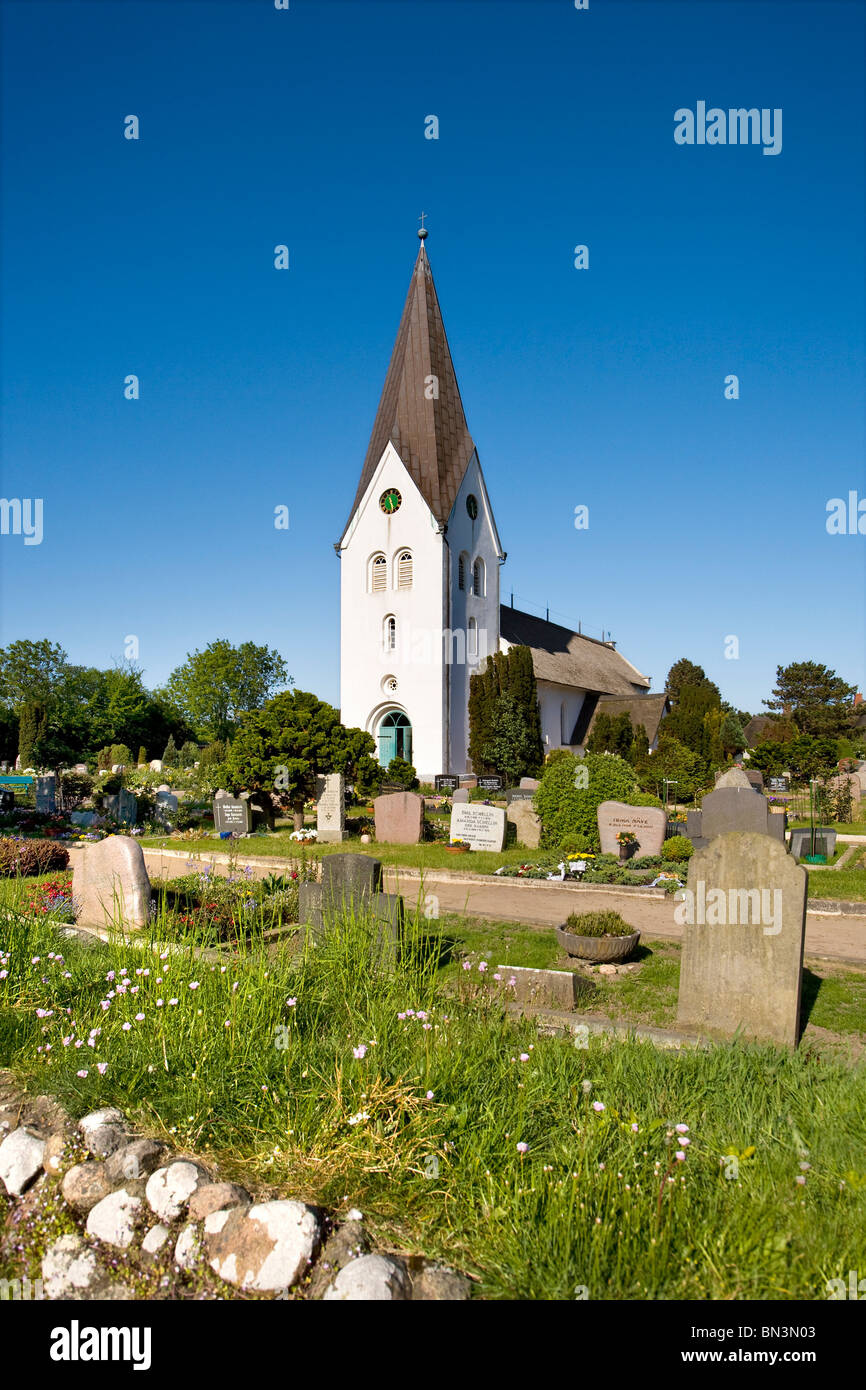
x=416 y=663
x=475 y=539
x=560 y=706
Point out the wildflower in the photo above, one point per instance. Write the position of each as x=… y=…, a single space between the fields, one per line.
x=193 y=984
x=586 y=1087
x=681 y=1129
x=172 y=1001
x=685 y=1142
x=597 y=1106
x=139 y=1018
x=291 y=1003
x=126 y=1027
x=467 y=965
x=429 y=1095
x=102 y=1067
x=359 y=1052
x=804 y=1167
x=680 y=1156
x=81 y=1073
x=524 y=1056
x=522 y=1148
x=801 y=1180
x=634 y=1129
x=497 y=976
x=426 y=1027
x=482 y=966
x=159 y=1003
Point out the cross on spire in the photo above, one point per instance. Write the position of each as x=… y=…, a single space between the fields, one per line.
x=422 y=233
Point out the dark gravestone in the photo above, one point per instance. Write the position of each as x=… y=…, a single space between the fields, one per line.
x=123 y=806
x=45 y=793
x=232 y=815
x=7 y=801
x=490 y=784
x=778 y=784
x=446 y=782
x=519 y=794
x=261 y=809
x=351 y=876
x=801 y=841
x=351 y=885
x=733 y=808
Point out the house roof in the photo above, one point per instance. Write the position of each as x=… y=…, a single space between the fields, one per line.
x=426 y=425
x=755 y=728
x=648 y=710
x=568 y=658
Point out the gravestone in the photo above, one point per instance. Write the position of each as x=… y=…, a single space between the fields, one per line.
x=530 y=783
x=221 y=795
x=739 y=808
x=744 y=925
x=552 y=989
x=469 y=781
x=801 y=841
x=80 y=768
x=778 y=784
x=734 y=777
x=166 y=805
x=156 y=765
x=399 y=818
x=446 y=782
x=460 y=797
x=330 y=809
x=648 y=823
x=481 y=827
x=519 y=794
x=232 y=815
x=527 y=824
x=7 y=800
x=110 y=885
x=46 y=793
x=756 y=778
x=123 y=806
x=351 y=886
x=84 y=818
x=261 y=809
x=490 y=784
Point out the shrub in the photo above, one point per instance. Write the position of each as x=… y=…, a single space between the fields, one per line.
x=644 y=799
x=401 y=773
x=678 y=847
x=566 y=809
x=142 y=755
x=119 y=754
x=575 y=844
x=598 y=924
x=29 y=857
x=75 y=788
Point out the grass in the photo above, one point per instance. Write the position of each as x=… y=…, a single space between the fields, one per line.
x=844 y=884
x=309 y=1075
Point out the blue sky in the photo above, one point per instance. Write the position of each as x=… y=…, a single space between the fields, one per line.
x=602 y=387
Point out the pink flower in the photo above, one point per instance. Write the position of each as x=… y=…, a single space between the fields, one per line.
x=497 y=976
x=680 y=1156
x=126 y=1027
x=429 y=1095
x=522 y=1148
x=512 y=981
x=102 y=1067
x=634 y=1129
x=359 y=1052
x=467 y=965
x=84 y=1073
x=801 y=1179
x=681 y=1129
x=524 y=1056
x=597 y=1105
x=482 y=966
x=139 y=1018
x=193 y=984
x=172 y=1001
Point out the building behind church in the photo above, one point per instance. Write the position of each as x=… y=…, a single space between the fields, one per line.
x=419 y=587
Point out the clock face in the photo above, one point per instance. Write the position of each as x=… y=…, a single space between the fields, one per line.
x=390 y=500
x=472 y=506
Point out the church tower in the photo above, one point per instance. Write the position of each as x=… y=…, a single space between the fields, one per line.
x=420 y=556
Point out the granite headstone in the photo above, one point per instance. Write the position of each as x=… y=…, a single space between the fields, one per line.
x=399 y=818
x=481 y=827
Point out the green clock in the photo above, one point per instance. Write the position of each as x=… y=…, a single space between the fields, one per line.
x=472 y=505
x=390 y=500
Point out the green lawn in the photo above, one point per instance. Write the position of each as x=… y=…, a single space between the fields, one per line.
x=838 y=883
x=406 y=1092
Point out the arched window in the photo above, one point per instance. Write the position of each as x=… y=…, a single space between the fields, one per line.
x=461 y=572
x=478 y=578
x=389 y=633
x=404 y=570
x=378 y=574
x=472 y=638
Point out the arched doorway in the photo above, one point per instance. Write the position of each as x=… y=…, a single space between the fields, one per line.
x=395 y=738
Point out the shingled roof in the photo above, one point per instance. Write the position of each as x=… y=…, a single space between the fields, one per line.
x=431 y=436
x=568 y=658
x=648 y=710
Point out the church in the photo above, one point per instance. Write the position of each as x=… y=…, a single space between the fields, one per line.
x=420 y=560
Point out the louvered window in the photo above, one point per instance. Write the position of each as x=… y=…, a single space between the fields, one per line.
x=478 y=577
x=379 y=574
x=461 y=573
x=404 y=570
x=390 y=634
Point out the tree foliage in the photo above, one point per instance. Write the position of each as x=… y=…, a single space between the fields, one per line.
x=566 y=806
x=817 y=700
x=504 y=718
x=215 y=687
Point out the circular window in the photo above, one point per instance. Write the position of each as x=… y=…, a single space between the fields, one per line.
x=390 y=500
x=389 y=685
x=472 y=505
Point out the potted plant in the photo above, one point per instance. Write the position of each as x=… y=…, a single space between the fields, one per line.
x=627 y=841
x=599 y=936
x=458 y=847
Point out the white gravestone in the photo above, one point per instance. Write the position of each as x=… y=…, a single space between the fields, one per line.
x=330 y=809
x=481 y=827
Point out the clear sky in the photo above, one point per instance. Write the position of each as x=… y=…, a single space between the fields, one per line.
x=601 y=387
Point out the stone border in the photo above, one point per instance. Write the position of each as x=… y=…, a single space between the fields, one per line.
x=142 y=1212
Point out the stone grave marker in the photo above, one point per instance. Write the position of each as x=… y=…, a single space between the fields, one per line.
x=399 y=818
x=352 y=886
x=46 y=793
x=84 y=818
x=80 y=768
x=156 y=765
x=519 y=794
x=743 y=914
x=123 y=806
x=527 y=824
x=648 y=823
x=166 y=805
x=481 y=827
x=530 y=783
x=490 y=784
x=469 y=780
x=735 y=808
x=330 y=809
x=446 y=782
x=460 y=796
x=110 y=885
x=552 y=989
x=734 y=777
x=801 y=841
x=232 y=814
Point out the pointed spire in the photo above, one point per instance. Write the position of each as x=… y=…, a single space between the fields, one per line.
x=420 y=410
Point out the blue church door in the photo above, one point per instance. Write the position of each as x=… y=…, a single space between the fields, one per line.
x=395 y=738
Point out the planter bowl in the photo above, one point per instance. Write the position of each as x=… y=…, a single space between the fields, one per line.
x=457 y=849
x=601 y=948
